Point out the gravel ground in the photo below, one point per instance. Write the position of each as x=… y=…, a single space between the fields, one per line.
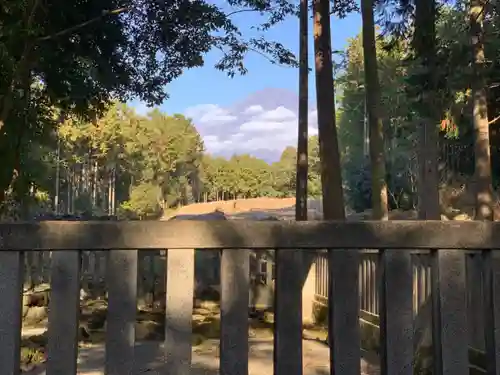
x=149 y=358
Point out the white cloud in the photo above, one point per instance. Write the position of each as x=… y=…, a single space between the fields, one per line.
x=218 y=116
x=313 y=130
x=247 y=142
x=263 y=126
x=253 y=109
x=209 y=114
x=278 y=114
x=213 y=143
x=199 y=110
x=237 y=136
x=211 y=138
x=312 y=120
x=250 y=129
x=312 y=117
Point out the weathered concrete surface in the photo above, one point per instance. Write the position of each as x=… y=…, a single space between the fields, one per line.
x=149 y=359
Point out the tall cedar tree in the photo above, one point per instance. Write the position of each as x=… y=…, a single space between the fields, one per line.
x=302 y=138
x=373 y=105
x=424 y=44
x=484 y=189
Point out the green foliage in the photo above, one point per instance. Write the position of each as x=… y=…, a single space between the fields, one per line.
x=117 y=49
x=244 y=176
x=83 y=203
x=143 y=202
x=400 y=184
x=84 y=65
x=398 y=127
x=139 y=166
x=75 y=65
x=401 y=84
x=285 y=170
x=129 y=154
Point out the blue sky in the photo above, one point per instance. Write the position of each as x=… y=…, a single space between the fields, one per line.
x=207 y=95
x=207 y=85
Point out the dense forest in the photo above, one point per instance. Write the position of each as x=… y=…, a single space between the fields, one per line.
x=453 y=106
x=413 y=106
x=138 y=166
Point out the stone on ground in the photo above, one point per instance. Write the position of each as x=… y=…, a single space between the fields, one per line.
x=149 y=359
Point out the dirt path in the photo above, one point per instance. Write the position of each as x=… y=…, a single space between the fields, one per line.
x=236 y=206
x=149 y=359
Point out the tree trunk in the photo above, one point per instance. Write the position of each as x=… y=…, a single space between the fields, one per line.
x=11 y=143
x=95 y=182
x=9 y=154
x=110 y=192
x=331 y=177
x=484 y=190
x=424 y=43
x=372 y=92
x=113 y=192
x=302 y=165
x=339 y=262
x=68 y=190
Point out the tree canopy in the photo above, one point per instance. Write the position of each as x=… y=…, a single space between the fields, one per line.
x=399 y=77
x=60 y=59
x=65 y=78
x=138 y=166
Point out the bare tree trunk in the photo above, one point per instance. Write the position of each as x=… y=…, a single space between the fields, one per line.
x=113 y=191
x=484 y=190
x=94 y=183
x=302 y=164
x=103 y=191
x=424 y=44
x=425 y=47
x=68 y=190
x=58 y=169
x=71 y=188
x=372 y=92
x=344 y=263
x=83 y=177
x=78 y=179
x=331 y=177
x=110 y=192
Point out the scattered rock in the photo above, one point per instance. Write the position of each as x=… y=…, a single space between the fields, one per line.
x=83 y=332
x=34 y=315
x=203 y=312
x=208 y=294
x=208 y=305
x=198 y=339
x=462 y=216
x=97 y=319
x=36 y=298
x=199 y=318
x=148 y=330
x=84 y=295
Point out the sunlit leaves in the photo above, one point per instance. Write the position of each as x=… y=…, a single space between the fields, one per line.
x=80 y=56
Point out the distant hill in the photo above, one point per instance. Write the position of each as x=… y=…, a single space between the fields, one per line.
x=269 y=99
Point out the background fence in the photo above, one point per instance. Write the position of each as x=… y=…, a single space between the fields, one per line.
x=151 y=274
x=422 y=288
